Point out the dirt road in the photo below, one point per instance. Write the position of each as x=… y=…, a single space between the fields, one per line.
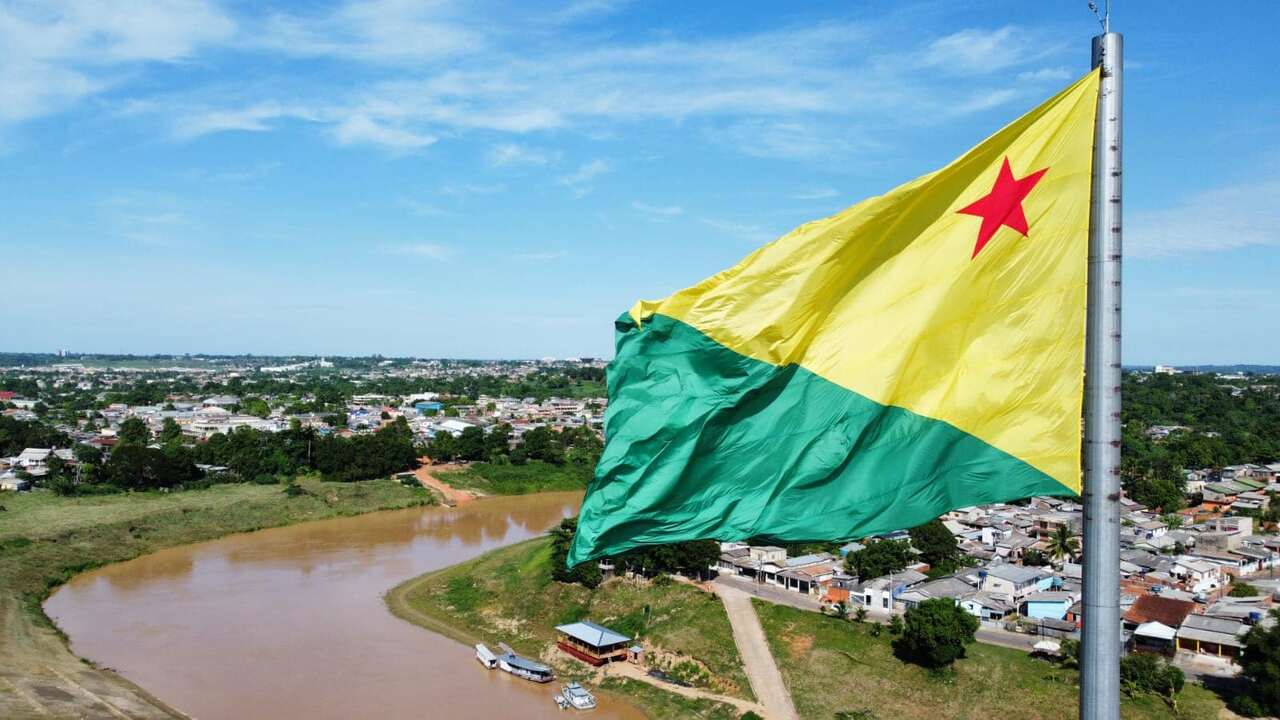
x=452 y=495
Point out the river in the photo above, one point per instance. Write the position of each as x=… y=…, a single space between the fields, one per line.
x=290 y=623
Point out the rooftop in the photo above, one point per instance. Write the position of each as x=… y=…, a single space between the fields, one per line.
x=592 y=634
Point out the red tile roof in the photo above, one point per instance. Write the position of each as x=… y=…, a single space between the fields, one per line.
x=1165 y=611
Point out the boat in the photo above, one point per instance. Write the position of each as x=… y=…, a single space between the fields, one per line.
x=523 y=667
x=577 y=696
x=560 y=701
x=485 y=656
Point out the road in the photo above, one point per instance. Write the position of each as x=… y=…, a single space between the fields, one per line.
x=762 y=671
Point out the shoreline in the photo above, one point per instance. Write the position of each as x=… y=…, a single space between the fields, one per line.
x=42 y=676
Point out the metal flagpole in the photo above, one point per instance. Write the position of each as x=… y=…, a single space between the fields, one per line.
x=1101 y=647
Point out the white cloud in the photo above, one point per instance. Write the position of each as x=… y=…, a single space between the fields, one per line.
x=1224 y=218
x=541 y=256
x=255 y=118
x=426 y=250
x=815 y=194
x=55 y=53
x=585 y=173
x=381 y=31
x=514 y=154
x=658 y=212
x=742 y=231
x=420 y=208
x=979 y=51
x=366 y=130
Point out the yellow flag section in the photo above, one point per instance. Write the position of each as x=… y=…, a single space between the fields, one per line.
x=959 y=296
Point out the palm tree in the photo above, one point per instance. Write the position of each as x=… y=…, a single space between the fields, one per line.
x=1062 y=543
x=840 y=610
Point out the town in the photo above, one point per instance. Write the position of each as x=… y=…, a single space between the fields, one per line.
x=1199 y=542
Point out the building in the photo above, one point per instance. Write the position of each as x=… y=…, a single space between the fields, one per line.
x=592 y=643
x=1211 y=635
x=1015 y=581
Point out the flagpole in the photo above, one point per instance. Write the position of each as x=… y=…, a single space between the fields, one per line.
x=1101 y=646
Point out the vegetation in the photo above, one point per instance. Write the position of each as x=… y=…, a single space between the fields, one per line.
x=1260 y=666
x=832 y=666
x=510 y=595
x=1142 y=673
x=537 y=476
x=691 y=558
x=1062 y=545
x=879 y=558
x=1243 y=589
x=936 y=632
x=46 y=539
x=1230 y=422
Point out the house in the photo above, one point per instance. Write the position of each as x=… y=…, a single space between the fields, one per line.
x=986 y=606
x=592 y=643
x=1211 y=635
x=881 y=593
x=1052 y=604
x=1166 y=611
x=1015 y=581
x=1154 y=637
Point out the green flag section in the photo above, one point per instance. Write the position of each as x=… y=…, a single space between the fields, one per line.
x=917 y=352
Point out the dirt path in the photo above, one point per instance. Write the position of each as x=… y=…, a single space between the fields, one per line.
x=762 y=671
x=452 y=495
x=634 y=672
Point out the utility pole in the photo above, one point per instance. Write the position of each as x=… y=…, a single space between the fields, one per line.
x=1101 y=647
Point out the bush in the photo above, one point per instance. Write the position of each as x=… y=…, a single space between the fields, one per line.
x=1147 y=674
x=1243 y=589
x=936 y=633
x=1245 y=705
x=895 y=625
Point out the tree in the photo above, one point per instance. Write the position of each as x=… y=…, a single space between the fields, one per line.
x=542 y=444
x=934 y=542
x=693 y=557
x=255 y=406
x=1260 y=665
x=586 y=574
x=840 y=610
x=443 y=447
x=878 y=558
x=1243 y=589
x=895 y=625
x=170 y=432
x=133 y=431
x=471 y=444
x=1173 y=521
x=936 y=633
x=1142 y=673
x=1034 y=558
x=1062 y=544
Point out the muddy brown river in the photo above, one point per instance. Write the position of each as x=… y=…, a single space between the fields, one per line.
x=290 y=622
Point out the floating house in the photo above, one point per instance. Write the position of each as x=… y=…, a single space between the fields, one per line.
x=592 y=643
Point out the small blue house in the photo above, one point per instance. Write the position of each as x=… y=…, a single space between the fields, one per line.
x=1052 y=604
x=428 y=406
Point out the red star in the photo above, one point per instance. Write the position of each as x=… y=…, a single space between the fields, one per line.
x=1003 y=205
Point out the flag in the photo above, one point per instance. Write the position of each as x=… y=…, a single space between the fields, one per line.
x=915 y=353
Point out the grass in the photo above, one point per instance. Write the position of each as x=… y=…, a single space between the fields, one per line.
x=832 y=665
x=534 y=476
x=507 y=595
x=45 y=540
x=658 y=703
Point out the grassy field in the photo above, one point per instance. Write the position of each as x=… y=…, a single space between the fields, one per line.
x=508 y=595
x=46 y=539
x=832 y=665
x=535 y=476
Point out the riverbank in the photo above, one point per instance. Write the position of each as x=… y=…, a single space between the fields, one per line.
x=46 y=539
x=508 y=596
x=828 y=665
x=532 y=477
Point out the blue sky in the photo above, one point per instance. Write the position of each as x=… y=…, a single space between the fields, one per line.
x=482 y=179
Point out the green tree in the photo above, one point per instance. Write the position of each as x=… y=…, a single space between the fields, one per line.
x=878 y=558
x=170 y=432
x=471 y=445
x=1142 y=673
x=255 y=406
x=1243 y=589
x=1034 y=558
x=935 y=543
x=936 y=632
x=586 y=574
x=133 y=431
x=541 y=443
x=1062 y=544
x=1260 y=665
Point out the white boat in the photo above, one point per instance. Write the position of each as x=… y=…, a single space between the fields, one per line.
x=560 y=701
x=523 y=667
x=485 y=656
x=578 y=697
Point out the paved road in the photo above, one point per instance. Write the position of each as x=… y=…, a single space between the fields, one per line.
x=762 y=671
